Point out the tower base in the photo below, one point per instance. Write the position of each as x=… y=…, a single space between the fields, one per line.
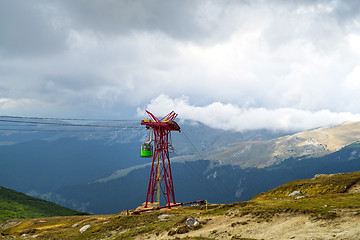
x=154 y=205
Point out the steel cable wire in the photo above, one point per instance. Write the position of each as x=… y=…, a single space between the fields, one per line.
x=225 y=187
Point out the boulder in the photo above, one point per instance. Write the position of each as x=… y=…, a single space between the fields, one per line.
x=294 y=193
x=192 y=222
x=164 y=217
x=84 y=228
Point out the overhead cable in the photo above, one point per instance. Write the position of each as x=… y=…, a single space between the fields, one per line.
x=69 y=124
x=70 y=119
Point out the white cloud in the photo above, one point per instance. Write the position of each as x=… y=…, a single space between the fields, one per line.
x=353 y=79
x=354 y=41
x=10 y=106
x=233 y=117
x=255 y=56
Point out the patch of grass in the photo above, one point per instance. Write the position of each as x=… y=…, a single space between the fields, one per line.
x=322 y=206
x=321 y=185
x=234 y=224
x=149 y=223
x=241 y=238
x=196 y=238
x=224 y=208
x=16 y=205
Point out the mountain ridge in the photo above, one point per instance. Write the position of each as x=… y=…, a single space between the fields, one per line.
x=312 y=143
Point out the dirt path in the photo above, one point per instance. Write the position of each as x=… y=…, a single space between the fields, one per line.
x=284 y=226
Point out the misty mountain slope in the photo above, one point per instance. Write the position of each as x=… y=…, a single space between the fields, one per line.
x=197 y=180
x=46 y=165
x=42 y=161
x=312 y=143
x=208 y=140
x=129 y=191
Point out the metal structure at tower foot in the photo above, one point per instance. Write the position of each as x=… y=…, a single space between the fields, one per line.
x=160 y=175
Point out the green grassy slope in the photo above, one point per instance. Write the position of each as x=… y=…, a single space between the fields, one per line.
x=322 y=184
x=323 y=195
x=15 y=205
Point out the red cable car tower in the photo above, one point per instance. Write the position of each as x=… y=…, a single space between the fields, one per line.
x=160 y=174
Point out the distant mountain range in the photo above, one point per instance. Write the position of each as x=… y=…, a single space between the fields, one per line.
x=313 y=143
x=101 y=172
x=39 y=162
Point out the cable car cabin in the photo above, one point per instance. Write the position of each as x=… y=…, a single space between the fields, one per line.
x=146 y=150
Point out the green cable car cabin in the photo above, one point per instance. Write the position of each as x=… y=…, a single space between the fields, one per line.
x=146 y=150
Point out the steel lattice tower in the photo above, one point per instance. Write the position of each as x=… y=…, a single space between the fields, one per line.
x=160 y=174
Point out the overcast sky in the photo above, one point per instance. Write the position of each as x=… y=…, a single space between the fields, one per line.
x=229 y=63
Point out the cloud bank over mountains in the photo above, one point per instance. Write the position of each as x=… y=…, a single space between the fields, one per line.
x=237 y=64
x=233 y=117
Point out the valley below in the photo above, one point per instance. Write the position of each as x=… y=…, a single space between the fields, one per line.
x=102 y=173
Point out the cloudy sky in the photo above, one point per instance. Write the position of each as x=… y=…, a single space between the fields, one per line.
x=232 y=64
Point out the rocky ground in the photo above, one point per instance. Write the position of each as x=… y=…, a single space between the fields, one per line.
x=282 y=226
x=224 y=226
